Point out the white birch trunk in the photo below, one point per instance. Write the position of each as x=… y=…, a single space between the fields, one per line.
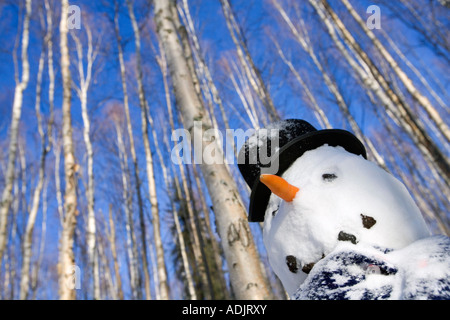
x=304 y=41
x=418 y=74
x=66 y=258
x=215 y=247
x=82 y=91
x=208 y=88
x=319 y=113
x=406 y=81
x=372 y=79
x=183 y=249
x=51 y=73
x=6 y=197
x=130 y=228
x=246 y=276
x=203 y=67
x=35 y=279
x=28 y=235
x=192 y=221
x=57 y=155
x=250 y=69
x=132 y=250
x=27 y=238
x=112 y=241
x=162 y=273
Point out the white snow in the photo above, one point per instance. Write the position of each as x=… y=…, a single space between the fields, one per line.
x=308 y=227
x=261 y=138
x=271 y=133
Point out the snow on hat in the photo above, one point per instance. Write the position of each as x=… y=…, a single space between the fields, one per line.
x=287 y=140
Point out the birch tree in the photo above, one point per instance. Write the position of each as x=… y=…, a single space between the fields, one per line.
x=112 y=241
x=319 y=113
x=424 y=19
x=302 y=37
x=370 y=76
x=242 y=257
x=162 y=273
x=36 y=270
x=45 y=148
x=66 y=256
x=132 y=250
x=414 y=69
x=192 y=219
x=6 y=197
x=183 y=248
x=242 y=87
x=403 y=77
x=247 y=63
x=85 y=79
x=28 y=236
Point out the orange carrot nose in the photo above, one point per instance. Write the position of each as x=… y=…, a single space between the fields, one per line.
x=279 y=186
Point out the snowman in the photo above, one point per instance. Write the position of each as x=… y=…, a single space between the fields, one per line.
x=337 y=226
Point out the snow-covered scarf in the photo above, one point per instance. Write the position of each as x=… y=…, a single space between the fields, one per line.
x=418 y=271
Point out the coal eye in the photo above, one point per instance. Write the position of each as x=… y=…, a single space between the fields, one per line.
x=291 y=262
x=328 y=177
x=274 y=212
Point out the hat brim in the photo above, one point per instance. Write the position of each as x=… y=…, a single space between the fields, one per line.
x=259 y=198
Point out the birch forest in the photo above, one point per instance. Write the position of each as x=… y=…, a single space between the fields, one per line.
x=97 y=202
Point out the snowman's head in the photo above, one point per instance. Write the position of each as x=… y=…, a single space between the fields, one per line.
x=335 y=196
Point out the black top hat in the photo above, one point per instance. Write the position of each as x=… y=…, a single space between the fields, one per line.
x=286 y=140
